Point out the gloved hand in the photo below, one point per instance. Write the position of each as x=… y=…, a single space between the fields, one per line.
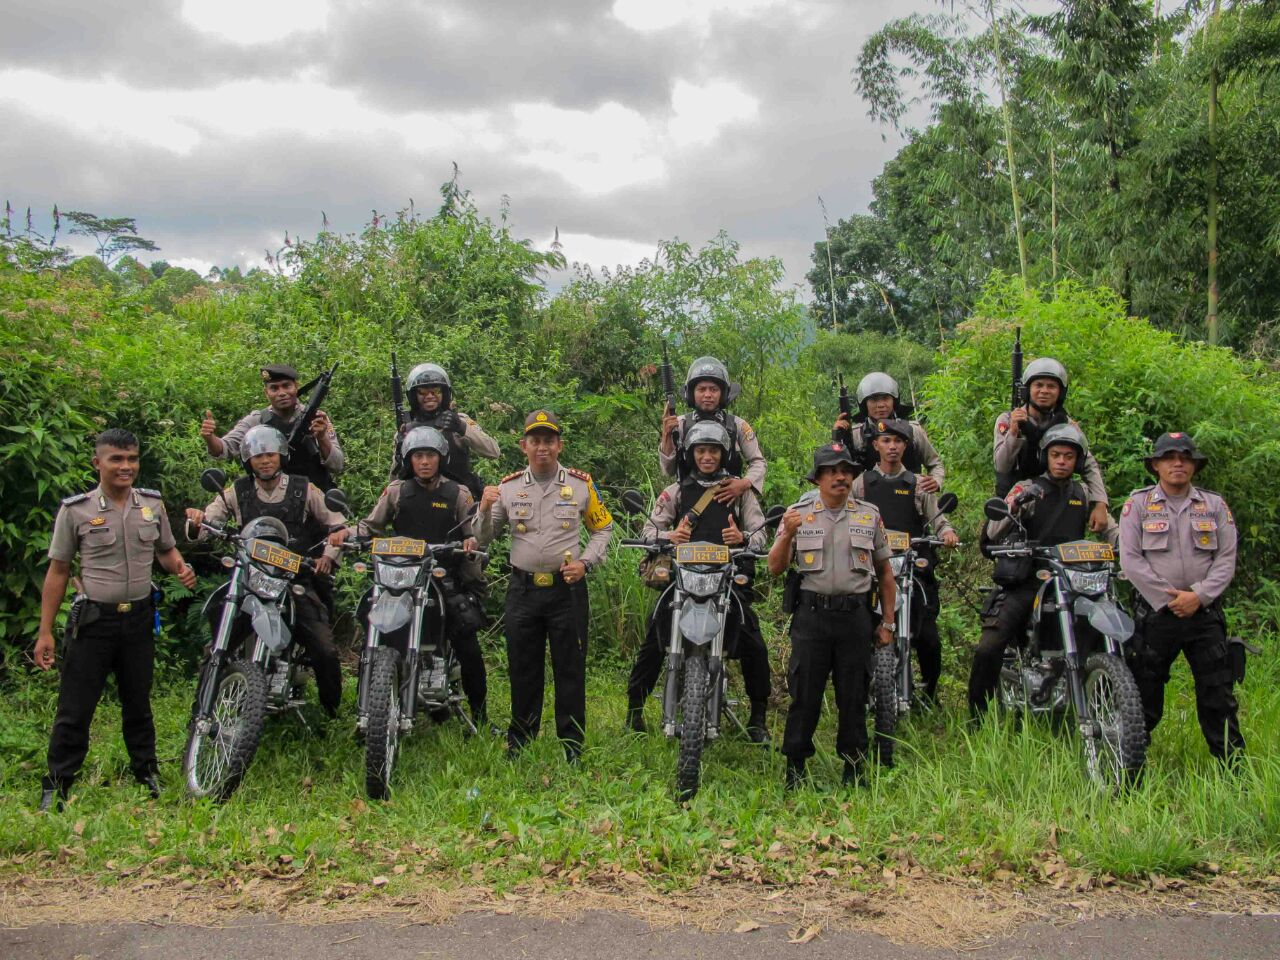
x=450 y=422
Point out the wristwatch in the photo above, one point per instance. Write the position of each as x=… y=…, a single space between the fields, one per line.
x=888 y=626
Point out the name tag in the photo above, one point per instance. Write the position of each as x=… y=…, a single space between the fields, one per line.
x=1204 y=524
x=1156 y=526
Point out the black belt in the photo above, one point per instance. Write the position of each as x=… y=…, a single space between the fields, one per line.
x=838 y=602
x=121 y=609
x=537 y=579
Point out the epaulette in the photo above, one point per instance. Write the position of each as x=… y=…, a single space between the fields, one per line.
x=511 y=476
x=806 y=498
x=1142 y=490
x=74 y=499
x=580 y=474
x=148 y=492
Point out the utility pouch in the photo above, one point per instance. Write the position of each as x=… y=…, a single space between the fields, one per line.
x=791 y=591
x=655 y=570
x=1012 y=571
x=465 y=615
x=1238 y=650
x=76 y=616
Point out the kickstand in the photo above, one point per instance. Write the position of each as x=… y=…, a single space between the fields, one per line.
x=469 y=728
x=302 y=718
x=737 y=721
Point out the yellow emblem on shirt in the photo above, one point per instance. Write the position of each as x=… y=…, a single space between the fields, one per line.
x=808 y=558
x=597 y=515
x=566 y=492
x=147 y=514
x=97 y=521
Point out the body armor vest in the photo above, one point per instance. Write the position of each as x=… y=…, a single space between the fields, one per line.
x=896 y=498
x=1027 y=464
x=304 y=458
x=458 y=466
x=429 y=515
x=1062 y=515
x=305 y=532
x=868 y=457
x=715 y=518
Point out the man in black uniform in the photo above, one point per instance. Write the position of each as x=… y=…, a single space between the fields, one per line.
x=425 y=505
x=431 y=405
x=318 y=457
x=878 y=399
x=1054 y=508
x=118 y=530
x=688 y=511
x=267 y=491
x=906 y=507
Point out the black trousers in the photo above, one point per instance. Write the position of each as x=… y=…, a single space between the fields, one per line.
x=1004 y=623
x=538 y=617
x=743 y=641
x=924 y=635
x=316 y=636
x=836 y=645
x=1202 y=637
x=119 y=644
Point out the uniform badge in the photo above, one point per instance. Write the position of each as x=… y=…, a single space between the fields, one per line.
x=1128 y=505
x=566 y=492
x=809 y=518
x=808 y=559
x=523 y=495
x=147 y=514
x=521 y=528
x=564 y=525
x=862 y=556
x=1003 y=427
x=97 y=521
x=1204 y=539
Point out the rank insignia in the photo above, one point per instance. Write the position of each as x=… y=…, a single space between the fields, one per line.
x=147 y=514
x=521 y=528
x=97 y=521
x=566 y=492
x=523 y=495
x=809 y=518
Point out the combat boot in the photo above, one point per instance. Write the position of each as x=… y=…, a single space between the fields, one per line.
x=52 y=799
x=635 y=716
x=757 y=729
x=795 y=773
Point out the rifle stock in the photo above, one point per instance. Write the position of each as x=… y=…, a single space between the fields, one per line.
x=302 y=426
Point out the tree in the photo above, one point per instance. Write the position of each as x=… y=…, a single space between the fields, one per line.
x=113 y=236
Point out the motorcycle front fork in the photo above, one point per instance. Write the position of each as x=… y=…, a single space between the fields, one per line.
x=1071 y=654
x=410 y=667
x=675 y=671
x=207 y=690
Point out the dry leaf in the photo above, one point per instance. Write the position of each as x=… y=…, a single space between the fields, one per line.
x=747 y=926
x=380 y=881
x=804 y=935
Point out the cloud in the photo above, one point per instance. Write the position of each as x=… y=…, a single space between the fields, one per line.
x=255 y=22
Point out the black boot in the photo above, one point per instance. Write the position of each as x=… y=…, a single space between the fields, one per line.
x=151 y=781
x=757 y=728
x=52 y=799
x=795 y=773
x=854 y=776
x=635 y=716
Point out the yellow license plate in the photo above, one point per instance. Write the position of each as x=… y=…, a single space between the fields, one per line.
x=898 y=541
x=264 y=551
x=397 y=547
x=1085 y=551
x=701 y=553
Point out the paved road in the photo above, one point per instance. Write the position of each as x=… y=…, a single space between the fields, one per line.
x=607 y=936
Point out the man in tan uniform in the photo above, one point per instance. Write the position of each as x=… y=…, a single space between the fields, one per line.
x=118 y=530
x=546 y=505
x=878 y=399
x=838 y=545
x=1178 y=549
x=431 y=404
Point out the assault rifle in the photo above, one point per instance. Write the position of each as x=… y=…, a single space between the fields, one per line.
x=300 y=432
x=668 y=381
x=1016 y=369
x=397 y=405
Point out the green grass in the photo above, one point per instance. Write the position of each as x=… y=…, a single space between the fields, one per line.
x=961 y=801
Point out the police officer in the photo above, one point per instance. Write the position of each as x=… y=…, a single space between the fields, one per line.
x=838 y=544
x=431 y=405
x=687 y=511
x=267 y=491
x=319 y=457
x=878 y=399
x=1178 y=549
x=118 y=530
x=906 y=507
x=546 y=504
x=1018 y=434
x=1054 y=508
x=708 y=392
x=426 y=505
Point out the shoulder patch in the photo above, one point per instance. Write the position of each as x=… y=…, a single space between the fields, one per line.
x=580 y=474
x=511 y=476
x=1128 y=505
x=147 y=492
x=74 y=499
x=1003 y=426
x=745 y=429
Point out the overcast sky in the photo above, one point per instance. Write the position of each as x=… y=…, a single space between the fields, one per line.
x=219 y=124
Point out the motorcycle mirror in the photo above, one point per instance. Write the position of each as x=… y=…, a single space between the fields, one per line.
x=996 y=509
x=773 y=516
x=633 y=502
x=336 y=501
x=213 y=480
x=947 y=502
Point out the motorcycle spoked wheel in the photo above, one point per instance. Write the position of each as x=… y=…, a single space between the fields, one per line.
x=382 y=735
x=215 y=761
x=1116 y=755
x=693 y=727
x=884 y=689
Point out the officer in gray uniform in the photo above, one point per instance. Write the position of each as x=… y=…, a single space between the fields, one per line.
x=837 y=543
x=1016 y=447
x=708 y=392
x=546 y=505
x=320 y=458
x=118 y=530
x=431 y=404
x=879 y=399
x=1178 y=549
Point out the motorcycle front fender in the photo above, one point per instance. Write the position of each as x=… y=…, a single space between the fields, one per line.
x=1106 y=616
x=391 y=611
x=699 y=621
x=268 y=624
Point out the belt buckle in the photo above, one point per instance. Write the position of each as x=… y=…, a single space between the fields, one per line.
x=544 y=579
x=124 y=607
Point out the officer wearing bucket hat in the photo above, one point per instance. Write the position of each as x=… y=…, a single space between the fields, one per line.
x=1178 y=549
x=547 y=505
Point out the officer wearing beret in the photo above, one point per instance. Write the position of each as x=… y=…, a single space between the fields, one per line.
x=838 y=545
x=118 y=530
x=546 y=505
x=1178 y=549
x=319 y=460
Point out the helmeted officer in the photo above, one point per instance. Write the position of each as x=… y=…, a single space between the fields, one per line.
x=1178 y=549
x=431 y=405
x=837 y=543
x=267 y=491
x=546 y=505
x=118 y=530
x=1018 y=435
x=318 y=457
x=1054 y=508
x=708 y=392
x=426 y=505
x=906 y=507
x=879 y=399
x=687 y=511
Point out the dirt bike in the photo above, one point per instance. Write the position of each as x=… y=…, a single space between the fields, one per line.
x=1077 y=585
x=251 y=669
x=892 y=681
x=702 y=597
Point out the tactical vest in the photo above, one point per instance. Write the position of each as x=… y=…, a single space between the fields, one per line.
x=306 y=534
x=868 y=456
x=1027 y=464
x=714 y=519
x=458 y=466
x=732 y=464
x=896 y=498
x=304 y=458
x=1061 y=516
x=429 y=515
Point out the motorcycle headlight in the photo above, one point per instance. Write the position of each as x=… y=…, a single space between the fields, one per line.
x=898 y=564
x=1089 y=581
x=396 y=577
x=264 y=585
x=700 y=584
